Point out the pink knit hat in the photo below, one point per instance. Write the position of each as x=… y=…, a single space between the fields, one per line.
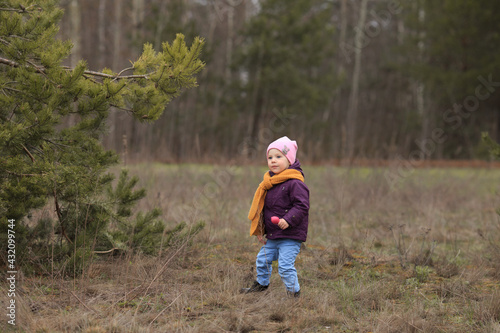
x=286 y=146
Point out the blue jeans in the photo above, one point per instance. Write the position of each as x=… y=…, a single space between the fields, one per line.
x=285 y=251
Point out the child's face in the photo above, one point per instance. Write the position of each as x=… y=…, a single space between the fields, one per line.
x=276 y=161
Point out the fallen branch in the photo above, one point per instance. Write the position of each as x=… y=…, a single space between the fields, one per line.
x=107 y=251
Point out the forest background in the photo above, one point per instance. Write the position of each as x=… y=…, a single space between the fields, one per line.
x=399 y=79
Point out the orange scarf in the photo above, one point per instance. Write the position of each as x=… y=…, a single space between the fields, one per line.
x=258 y=199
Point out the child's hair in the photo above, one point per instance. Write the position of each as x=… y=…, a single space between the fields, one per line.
x=286 y=146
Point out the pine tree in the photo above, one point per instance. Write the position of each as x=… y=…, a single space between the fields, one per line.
x=492 y=146
x=40 y=159
x=287 y=55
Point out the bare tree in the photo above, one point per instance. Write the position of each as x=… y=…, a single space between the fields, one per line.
x=75 y=34
x=352 y=111
x=117 y=34
x=160 y=25
x=101 y=33
x=138 y=14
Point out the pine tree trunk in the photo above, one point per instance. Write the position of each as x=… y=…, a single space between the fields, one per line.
x=75 y=34
x=337 y=95
x=343 y=32
x=229 y=44
x=160 y=25
x=117 y=35
x=257 y=99
x=420 y=87
x=352 y=110
x=118 y=124
x=229 y=12
x=137 y=18
x=101 y=33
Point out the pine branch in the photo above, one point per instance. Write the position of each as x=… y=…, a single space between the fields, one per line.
x=58 y=145
x=21 y=10
x=115 y=77
x=122 y=108
x=15 y=36
x=29 y=154
x=24 y=174
x=122 y=71
x=194 y=53
x=8 y=62
x=11 y=89
x=40 y=70
x=3 y=41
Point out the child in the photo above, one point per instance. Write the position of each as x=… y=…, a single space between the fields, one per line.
x=282 y=193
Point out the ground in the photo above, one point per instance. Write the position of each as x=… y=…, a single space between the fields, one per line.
x=419 y=255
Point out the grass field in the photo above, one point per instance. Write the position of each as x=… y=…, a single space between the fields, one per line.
x=421 y=256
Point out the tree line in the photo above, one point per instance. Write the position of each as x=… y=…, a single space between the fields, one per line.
x=347 y=79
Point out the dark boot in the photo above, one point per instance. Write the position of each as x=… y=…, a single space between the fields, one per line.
x=256 y=287
x=293 y=294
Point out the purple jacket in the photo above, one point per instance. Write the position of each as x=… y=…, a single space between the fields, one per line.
x=290 y=201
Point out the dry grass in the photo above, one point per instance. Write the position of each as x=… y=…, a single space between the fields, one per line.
x=409 y=259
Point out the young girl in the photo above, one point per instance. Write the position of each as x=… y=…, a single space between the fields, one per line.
x=282 y=193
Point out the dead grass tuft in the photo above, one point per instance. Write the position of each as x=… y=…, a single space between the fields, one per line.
x=492 y=239
x=488 y=309
x=446 y=268
x=451 y=289
x=340 y=256
x=94 y=329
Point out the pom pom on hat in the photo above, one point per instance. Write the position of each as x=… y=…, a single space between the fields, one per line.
x=286 y=146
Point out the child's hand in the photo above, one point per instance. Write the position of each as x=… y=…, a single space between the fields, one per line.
x=283 y=224
x=261 y=239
